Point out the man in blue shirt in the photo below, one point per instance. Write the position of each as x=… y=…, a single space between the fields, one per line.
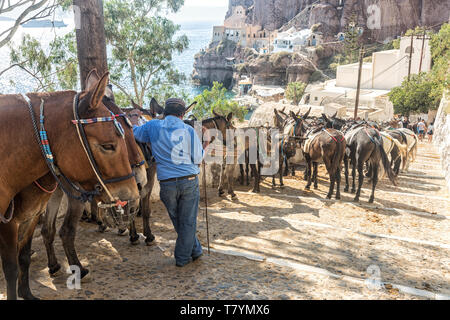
x=178 y=153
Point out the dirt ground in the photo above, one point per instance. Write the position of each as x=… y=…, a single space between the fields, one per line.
x=279 y=244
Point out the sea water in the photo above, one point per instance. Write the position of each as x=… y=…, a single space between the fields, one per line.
x=199 y=34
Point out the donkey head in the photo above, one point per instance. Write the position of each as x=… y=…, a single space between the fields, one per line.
x=105 y=139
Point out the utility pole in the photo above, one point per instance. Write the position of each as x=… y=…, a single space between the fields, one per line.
x=410 y=55
x=423 y=46
x=91 y=42
x=358 y=90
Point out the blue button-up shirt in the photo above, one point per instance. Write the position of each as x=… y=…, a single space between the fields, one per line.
x=175 y=145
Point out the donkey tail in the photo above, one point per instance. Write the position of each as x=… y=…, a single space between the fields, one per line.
x=402 y=148
x=386 y=164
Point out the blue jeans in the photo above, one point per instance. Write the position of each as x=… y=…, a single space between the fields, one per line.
x=181 y=199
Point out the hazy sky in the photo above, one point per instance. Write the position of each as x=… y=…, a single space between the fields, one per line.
x=193 y=10
x=202 y=10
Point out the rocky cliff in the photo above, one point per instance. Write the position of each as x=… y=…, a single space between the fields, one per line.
x=275 y=69
x=396 y=16
x=327 y=16
x=214 y=64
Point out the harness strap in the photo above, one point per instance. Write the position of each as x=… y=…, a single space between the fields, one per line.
x=85 y=196
x=84 y=143
x=45 y=190
x=370 y=137
x=334 y=138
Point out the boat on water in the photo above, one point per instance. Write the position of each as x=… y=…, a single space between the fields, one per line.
x=44 y=24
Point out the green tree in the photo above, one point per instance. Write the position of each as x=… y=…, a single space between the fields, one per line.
x=440 y=54
x=352 y=41
x=143 y=44
x=52 y=69
x=294 y=91
x=414 y=96
x=25 y=11
x=217 y=99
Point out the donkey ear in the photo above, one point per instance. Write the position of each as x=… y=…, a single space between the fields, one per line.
x=335 y=115
x=92 y=79
x=307 y=114
x=188 y=109
x=155 y=107
x=275 y=111
x=135 y=105
x=230 y=116
x=98 y=91
x=293 y=115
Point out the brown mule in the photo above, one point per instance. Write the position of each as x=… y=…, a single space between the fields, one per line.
x=327 y=145
x=28 y=165
x=75 y=208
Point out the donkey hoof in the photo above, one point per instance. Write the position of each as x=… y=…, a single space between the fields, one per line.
x=356 y=199
x=282 y=186
x=85 y=275
x=27 y=296
x=371 y=200
x=338 y=197
x=329 y=196
x=346 y=189
x=134 y=240
x=234 y=196
x=316 y=187
x=121 y=232
x=101 y=228
x=221 y=194
x=353 y=191
x=55 y=271
x=308 y=188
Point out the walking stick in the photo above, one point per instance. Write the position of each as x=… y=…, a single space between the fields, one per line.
x=206 y=206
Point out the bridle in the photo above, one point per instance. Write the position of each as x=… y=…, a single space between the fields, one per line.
x=42 y=139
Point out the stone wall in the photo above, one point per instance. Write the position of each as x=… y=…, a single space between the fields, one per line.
x=442 y=135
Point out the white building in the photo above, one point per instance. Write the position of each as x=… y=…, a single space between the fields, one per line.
x=286 y=41
x=389 y=68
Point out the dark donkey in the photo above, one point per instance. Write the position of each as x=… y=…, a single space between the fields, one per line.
x=325 y=144
x=75 y=207
x=90 y=155
x=364 y=144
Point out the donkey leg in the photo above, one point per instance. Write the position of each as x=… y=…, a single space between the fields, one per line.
x=241 y=177
x=374 y=182
x=8 y=251
x=24 y=290
x=48 y=231
x=230 y=176
x=308 y=174
x=360 y=179
x=316 y=166
x=353 y=176
x=134 y=237
x=68 y=231
x=332 y=176
x=281 y=175
x=338 y=183
x=146 y=213
x=346 y=174
x=256 y=181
